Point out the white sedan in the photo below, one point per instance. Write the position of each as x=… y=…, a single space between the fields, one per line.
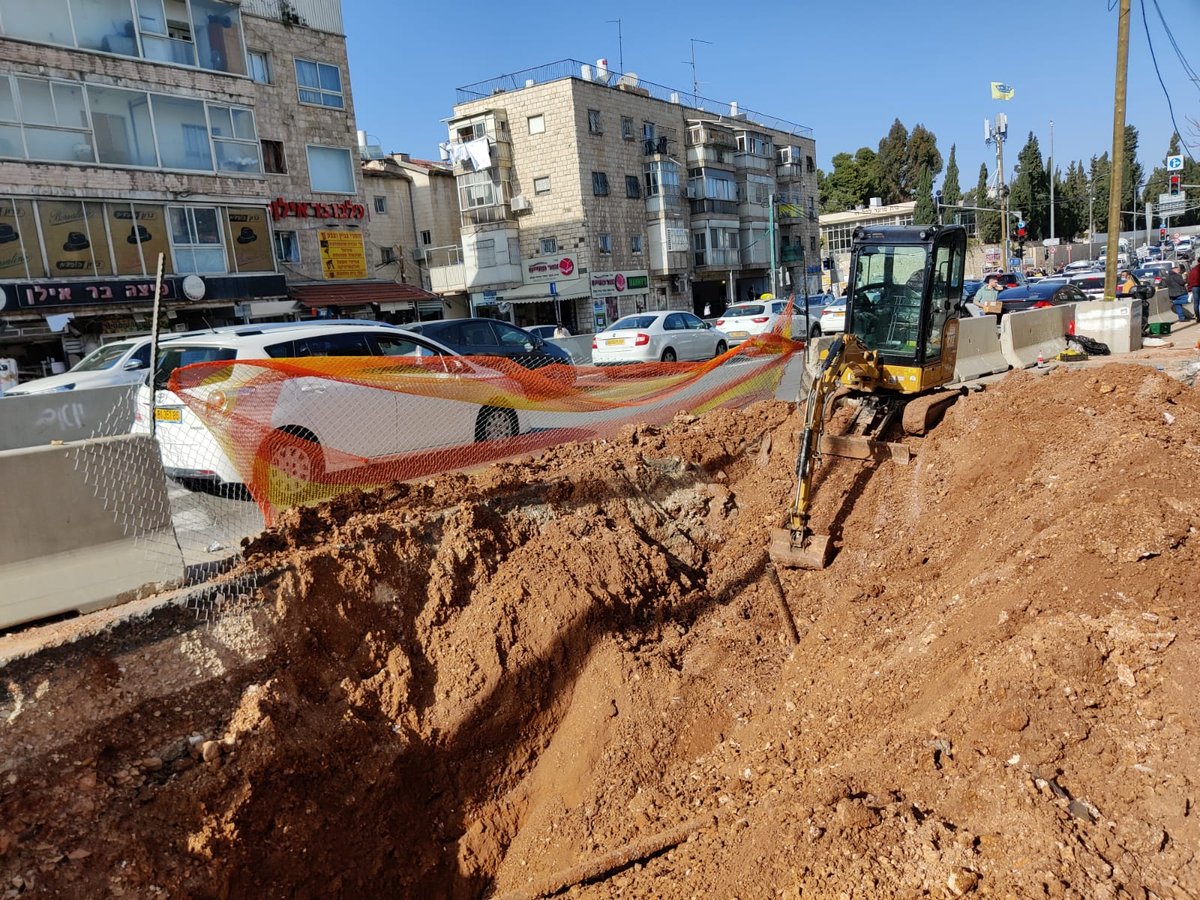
x=664 y=335
x=743 y=321
x=833 y=317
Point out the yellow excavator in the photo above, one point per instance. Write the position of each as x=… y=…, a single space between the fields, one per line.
x=892 y=362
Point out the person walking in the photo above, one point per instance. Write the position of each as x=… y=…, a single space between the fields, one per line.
x=1176 y=288
x=1193 y=285
x=986 y=296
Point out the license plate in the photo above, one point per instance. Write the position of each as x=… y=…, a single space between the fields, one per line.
x=739 y=334
x=167 y=414
x=615 y=342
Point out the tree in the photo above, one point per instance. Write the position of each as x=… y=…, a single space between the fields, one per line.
x=889 y=165
x=851 y=183
x=1159 y=183
x=987 y=224
x=951 y=192
x=920 y=152
x=1031 y=190
x=1072 y=213
x=924 y=212
x=1131 y=179
x=1099 y=176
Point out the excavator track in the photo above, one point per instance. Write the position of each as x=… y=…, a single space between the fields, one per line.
x=924 y=412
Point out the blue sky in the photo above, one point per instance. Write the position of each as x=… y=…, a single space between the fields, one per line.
x=807 y=62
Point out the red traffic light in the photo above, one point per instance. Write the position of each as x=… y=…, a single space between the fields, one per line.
x=1162 y=233
x=1174 y=189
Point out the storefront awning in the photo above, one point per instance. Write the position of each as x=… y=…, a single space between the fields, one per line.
x=540 y=293
x=356 y=293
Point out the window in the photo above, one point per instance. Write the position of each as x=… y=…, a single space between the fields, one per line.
x=537 y=124
x=635 y=244
x=354 y=343
x=274 y=162
x=234 y=139
x=330 y=169
x=605 y=242
x=287 y=247
x=319 y=84
x=426 y=238
x=648 y=132
x=633 y=186
x=121 y=126
x=477 y=189
x=486 y=253
x=381 y=204
x=260 y=66
x=547 y=246
x=812 y=244
x=196 y=239
x=808 y=164
x=541 y=185
x=55 y=120
x=594 y=122
x=627 y=128
x=600 y=184
x=387 y=255
x=386 y=345
x=182 y=129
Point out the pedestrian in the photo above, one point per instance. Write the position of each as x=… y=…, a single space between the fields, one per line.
x=707 y=310
x=986 y=295
x=1128 y=282
x=562 y=331
x=1176 y=289
x=1193 y=284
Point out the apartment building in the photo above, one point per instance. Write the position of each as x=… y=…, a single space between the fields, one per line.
x=219 y=135
x=585 y=195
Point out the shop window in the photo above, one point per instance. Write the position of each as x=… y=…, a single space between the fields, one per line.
x=319 y=84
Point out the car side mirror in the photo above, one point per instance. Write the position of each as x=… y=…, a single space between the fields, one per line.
x=529 y=346
x=133 y=365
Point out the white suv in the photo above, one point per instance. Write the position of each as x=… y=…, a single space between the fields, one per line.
x=307 y=425
x=121 y=362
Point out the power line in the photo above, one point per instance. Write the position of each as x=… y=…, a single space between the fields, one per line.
x=1187 y=67
x=1162 y=84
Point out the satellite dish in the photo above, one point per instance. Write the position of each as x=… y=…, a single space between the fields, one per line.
x=193 y=287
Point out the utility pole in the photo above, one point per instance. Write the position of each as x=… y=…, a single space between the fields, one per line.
x=1051 y=178
x=1118 y=153
x=771 y=237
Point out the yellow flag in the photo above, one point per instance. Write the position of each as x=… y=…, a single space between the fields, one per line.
x=1002 y=91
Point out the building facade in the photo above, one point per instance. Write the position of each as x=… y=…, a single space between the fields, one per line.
x=585 y=195
x=216 y=135
x=837 y=232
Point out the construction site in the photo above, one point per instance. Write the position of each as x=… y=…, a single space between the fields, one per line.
x=575 y=672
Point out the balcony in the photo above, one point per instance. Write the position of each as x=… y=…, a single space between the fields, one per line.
x=669 y=204
x=722 y=258
x=675 y=263
x=716 y=157
x=751 y=162
x=447 y=274
x=660 y=144
x=724 y=208
x=487 y=215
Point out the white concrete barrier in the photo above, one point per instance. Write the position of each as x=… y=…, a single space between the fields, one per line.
x=1024 y=336
x=979 y=350
x=1117 y=324
x=82 y=524
x=1160 y=308
x=29 y=420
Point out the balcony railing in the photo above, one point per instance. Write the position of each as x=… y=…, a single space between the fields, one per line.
x=670 y=204
x=714 y=207
x=487 y=215
x=752 y=162
x=724 y=258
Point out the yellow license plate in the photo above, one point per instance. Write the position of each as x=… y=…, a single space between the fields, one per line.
x=739 y=334
x=612 y=342
x=167 y=414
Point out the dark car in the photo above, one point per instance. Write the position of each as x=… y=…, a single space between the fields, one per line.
x=491 y=337
x=1037 y=294
x=1150 y=275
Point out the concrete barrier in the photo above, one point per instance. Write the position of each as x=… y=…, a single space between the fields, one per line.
x=33 y=420
x=1160 y=308
x=83 y=523
x=1024 y=336
x=979 y=350
x=1117 y=324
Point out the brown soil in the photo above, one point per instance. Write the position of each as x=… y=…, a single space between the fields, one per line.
x=464 y=687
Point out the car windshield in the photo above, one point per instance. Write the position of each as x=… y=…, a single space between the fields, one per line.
x=103 y=358
x=630 y=323
x=174 y=358
x=744 y=309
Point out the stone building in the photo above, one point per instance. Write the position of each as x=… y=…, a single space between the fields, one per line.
x=218 y=134
x=585 y=194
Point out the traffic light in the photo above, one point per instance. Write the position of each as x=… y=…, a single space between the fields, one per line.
x=1021 y=230
x=1162 y=233
x=1174 y=189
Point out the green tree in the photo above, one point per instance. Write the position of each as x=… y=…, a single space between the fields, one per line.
x=1099 y=176
x=924 y=212
x=987 y=224
x=951 y=192
x=1031 y=190
x=1131 y=179
x=920 y=152
x=851 y=182
x=1072 y=213
x=890 y=164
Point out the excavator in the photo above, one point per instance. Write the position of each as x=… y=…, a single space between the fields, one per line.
x=891 y=364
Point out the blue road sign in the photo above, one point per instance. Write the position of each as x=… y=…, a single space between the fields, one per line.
x=553 y=289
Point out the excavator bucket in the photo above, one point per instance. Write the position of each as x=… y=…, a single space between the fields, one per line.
x=796 y=550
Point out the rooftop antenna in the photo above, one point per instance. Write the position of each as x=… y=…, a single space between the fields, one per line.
x=695 y=83
x=620 y=45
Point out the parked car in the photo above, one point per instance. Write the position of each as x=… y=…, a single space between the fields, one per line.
x=1092 y=284
x=663 y=335
x=1185 y=245
x=491 y=337
x=743 y=321
x=1151 y=274
x=1048 y=292
x=1078 y=266
x=121 y=362
x=340 y=424
x=833 y=317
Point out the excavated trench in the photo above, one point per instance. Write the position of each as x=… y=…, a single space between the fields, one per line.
x=470 y=686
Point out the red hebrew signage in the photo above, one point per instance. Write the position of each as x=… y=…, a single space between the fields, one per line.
x=306 y=209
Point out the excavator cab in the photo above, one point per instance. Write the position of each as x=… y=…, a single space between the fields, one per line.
x=905 y=294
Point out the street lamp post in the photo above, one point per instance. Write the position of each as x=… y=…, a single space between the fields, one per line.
x=1052 y=178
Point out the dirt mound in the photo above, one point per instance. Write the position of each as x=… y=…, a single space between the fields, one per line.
x=472 y=685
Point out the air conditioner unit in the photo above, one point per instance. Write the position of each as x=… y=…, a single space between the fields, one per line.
x=520 y=203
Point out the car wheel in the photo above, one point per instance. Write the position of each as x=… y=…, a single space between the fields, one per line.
x=721 y=348
x=669 y=355
x=293 y=461
x=495 y=424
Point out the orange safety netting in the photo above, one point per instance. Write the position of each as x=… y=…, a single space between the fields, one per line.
x=298 y=431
